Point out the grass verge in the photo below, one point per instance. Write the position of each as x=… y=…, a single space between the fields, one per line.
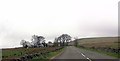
x=47 y=56
x=116 y=55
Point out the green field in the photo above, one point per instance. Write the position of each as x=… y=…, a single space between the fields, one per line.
x=15 y=53
x=99 y=44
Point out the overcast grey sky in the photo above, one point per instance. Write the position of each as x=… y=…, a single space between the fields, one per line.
x=20 y=19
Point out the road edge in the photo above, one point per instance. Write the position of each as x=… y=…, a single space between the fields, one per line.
x=58 y=54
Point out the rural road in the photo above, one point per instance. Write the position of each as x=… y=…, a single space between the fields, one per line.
x=72 y=53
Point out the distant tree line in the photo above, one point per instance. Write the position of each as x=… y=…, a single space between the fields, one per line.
x=39 y=41
x=36 y=41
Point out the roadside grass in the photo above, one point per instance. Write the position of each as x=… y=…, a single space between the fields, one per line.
x=47 y=56
x=99 y=42
x=12 y=53
x=103 y=52
x=19 y=52
x=16 y=52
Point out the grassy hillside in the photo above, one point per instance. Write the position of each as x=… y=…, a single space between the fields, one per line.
x=99 y=42
x=105 y=45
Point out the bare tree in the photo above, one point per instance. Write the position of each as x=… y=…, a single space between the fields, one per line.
x=76 y=41
x=25 y=43
x=60 y=40
x=56 y=43
x=38 y=41
x=64 y=38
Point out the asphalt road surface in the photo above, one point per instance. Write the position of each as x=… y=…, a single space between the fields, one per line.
x=72 y=53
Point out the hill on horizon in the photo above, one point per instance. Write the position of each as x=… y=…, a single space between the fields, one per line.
x=99 y=42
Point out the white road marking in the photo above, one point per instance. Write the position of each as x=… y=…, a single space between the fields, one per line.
x=89 y=59
x=84 y=56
